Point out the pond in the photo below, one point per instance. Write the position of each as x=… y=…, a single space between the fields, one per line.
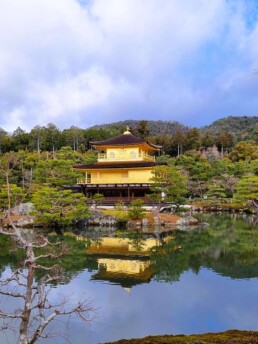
x=200 y=280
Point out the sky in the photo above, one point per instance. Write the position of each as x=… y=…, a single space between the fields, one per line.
x=81 y=63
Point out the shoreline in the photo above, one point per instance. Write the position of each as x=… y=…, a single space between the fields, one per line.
x=227 y=337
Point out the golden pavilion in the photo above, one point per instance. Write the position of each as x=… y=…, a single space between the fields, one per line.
x=123 y=170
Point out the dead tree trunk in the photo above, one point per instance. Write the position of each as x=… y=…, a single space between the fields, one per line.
x=25 y=320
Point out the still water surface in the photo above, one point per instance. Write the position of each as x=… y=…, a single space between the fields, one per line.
x=201 y=280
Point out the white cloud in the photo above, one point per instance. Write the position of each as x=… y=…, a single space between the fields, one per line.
x=75 y=64
x=91 y=89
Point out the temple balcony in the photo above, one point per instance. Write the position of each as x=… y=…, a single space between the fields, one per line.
x=103 y=157
x=113 y=181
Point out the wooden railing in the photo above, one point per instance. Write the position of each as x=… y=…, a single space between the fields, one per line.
x=109 y=181
x=124 y=157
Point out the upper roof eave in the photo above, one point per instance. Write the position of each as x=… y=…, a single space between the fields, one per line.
x=122 y=140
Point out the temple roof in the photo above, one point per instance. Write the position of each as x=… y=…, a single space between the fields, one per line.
x=125 y=280
x=126 y=139
x=120 y=164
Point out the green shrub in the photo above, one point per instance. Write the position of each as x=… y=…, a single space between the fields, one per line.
x=136 y=210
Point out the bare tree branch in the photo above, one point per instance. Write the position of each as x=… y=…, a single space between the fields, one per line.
x=80 y=310
x=7 y=293
x=34 y=316
x=12 y=316
x=37 y=312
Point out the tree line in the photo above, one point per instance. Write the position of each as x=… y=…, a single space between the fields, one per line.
x=44 y=177
x=232 y=178
x=172 y=136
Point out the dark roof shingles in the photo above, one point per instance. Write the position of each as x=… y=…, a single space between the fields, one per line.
x=133 y=164
x=122 y=139
x=125 y=139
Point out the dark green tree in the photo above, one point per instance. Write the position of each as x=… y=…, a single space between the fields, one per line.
x=164 y=141
x=67 y=153
x=3 y=135
x=193 y=139
x=52 y=138
x=20 y=139
x=256 y=134
x=142 y=129
x=224 y=141
x=55 y=172
x=247 y=189
x=199 y=173
x=207 y=140
x=59 y=207
x=37 y=138
x=16 y=193
x=216 y=191
x=178 y=141
x=136 y=210
x=8 y=163
x=98 y=198
x=74 y=137
x=169 y=184
x=98 y=135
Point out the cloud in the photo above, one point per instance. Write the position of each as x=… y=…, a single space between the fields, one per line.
x=88 y=62
x=89 y=91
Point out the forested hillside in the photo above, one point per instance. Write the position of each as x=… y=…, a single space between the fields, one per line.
x=175 y=137
x=243 y=128
x=35 y=166
x=154 y=127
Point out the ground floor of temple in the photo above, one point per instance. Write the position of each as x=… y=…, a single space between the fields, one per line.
x=114 y=193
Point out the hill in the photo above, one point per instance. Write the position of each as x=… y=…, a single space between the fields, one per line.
x=154 y=127
x=242 y=128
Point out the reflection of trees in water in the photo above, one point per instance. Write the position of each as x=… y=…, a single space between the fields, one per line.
x=9 y=256
x=136 y=239
x=253 y=220
x=72 y=262
x=228 y=246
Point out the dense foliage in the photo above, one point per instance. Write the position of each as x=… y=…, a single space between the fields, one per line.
x=136 y=210
x=242 y=128
x=46 y=180
x=173 y=136
x=169 y=185
x=59 y=207
x=206 y=164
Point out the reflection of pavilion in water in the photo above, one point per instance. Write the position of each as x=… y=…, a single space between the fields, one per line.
x=123 y=261
x=125 y=272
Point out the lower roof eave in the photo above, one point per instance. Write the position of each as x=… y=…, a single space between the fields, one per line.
x=117 y=185
x=98 y=166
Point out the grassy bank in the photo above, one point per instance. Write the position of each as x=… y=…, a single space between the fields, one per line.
x=228 y=337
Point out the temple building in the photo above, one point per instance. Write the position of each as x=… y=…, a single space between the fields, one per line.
x=123 y=170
